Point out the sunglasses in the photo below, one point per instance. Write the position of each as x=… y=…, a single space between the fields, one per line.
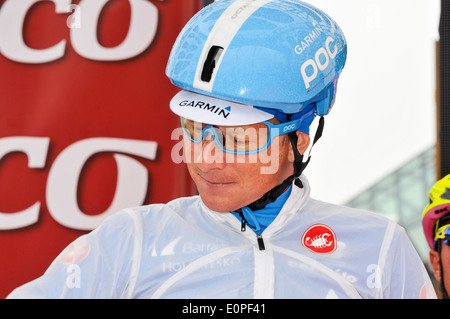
x=239 y=140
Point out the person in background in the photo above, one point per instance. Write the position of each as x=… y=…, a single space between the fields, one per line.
x=436 y=226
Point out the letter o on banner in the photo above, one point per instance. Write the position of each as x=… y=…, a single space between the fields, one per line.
x=85 y=42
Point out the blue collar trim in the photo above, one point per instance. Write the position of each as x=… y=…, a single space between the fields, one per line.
x=259 y=220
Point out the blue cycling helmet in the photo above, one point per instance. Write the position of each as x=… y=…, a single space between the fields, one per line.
x=279 y=55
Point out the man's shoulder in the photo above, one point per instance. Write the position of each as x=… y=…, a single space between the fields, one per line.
x=178 y=205
x=151 y=212
x=357 y=222
x=341 y=211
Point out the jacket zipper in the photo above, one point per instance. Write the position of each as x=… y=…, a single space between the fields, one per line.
x=260 y=242
x=259 y=237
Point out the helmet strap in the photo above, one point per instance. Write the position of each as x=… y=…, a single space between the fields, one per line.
x=299 y=167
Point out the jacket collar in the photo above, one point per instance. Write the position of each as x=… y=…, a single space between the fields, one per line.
x=292 y=207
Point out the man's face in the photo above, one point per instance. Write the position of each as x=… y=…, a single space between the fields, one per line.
x=445 y=257
x=227 y=182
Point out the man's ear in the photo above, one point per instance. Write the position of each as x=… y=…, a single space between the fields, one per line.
x=302 y=145
x=435 y=264
x=302 y=142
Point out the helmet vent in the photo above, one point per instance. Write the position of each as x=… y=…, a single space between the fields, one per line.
x=211 y=62
x=446 y=194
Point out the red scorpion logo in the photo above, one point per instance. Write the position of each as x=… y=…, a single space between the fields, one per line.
x=320 y=239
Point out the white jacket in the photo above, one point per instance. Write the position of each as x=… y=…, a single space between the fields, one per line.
x=184 y=250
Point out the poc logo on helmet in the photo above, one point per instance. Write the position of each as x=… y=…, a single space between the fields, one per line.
x=309 y=68
x=289 y=127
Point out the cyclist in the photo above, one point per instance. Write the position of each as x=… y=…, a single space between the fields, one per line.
x=254 y=75
x=436 y=226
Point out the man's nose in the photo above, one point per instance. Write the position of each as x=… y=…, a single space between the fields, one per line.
x=209 y=156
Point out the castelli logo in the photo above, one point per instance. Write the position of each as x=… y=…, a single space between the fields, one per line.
x=320 y=239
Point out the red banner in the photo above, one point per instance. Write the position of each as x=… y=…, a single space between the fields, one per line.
x=85 y=125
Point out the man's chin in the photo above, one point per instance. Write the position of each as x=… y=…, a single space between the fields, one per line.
x=217 y=205
x=217 y=208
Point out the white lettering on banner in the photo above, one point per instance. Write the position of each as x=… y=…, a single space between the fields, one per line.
x=83 y=34
x=142 y=30
x=36 y=149
x=62 y=183
x=318 y=63
x=12 y=44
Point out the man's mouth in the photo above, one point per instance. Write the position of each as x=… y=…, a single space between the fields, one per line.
x=213 y=182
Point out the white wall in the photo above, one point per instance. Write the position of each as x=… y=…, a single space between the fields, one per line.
x=385 y=109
